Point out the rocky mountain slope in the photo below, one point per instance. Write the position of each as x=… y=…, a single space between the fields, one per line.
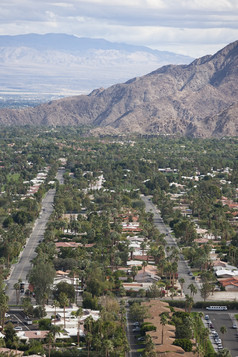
x=199 y=99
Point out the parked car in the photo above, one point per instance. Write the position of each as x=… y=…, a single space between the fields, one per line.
x=234 y=325
x=136 y=323
x=206 y=317
x=7 y=315
x=18 y=328
x=136 y=329
x=28 y=322
x=142 y=338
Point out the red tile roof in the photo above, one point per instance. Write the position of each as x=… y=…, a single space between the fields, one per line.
x=229 y=281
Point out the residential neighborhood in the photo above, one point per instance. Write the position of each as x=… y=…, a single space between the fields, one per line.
x=118 y=243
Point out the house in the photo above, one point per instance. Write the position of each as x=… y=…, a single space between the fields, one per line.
x=226 y=273
x=230 y=284
x=136 y=286
x=73 y=245
x=131 y=227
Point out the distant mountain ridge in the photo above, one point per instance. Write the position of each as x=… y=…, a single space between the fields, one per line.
x=71 y=43
x=66 y=64
x=198 y=99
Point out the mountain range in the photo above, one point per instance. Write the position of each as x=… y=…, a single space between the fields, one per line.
x=61 y=64
x=199 y=99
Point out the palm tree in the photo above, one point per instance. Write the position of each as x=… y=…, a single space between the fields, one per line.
x=78 y=313
x=64 y=301
x=205 y=336
x=193 y=289
x=88 y=339
x=55 y=305
x=174 y=270
x=143 y=246
x=188 y=303
x=163 y=321
x=181 y=282
x=54 y=330
x=131 y=251
x=17 y=288
x=49 y=339
x=134 y=271
x=223 y=330
x=144 y=264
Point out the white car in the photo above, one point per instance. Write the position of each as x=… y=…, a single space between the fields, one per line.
x=18 y=328
x=7 y=315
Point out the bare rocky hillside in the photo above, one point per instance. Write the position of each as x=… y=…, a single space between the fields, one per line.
x=199 y=99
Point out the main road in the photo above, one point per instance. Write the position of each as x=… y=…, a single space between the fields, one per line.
x=183 y=269
x=21 y=269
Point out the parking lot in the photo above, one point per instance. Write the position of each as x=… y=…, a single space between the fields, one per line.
x=19 y=321
x=229 y=339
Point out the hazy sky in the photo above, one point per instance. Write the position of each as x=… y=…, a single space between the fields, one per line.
x=192 y=27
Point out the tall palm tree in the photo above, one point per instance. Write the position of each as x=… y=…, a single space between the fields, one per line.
x=55 y=305
x=88 y=339
x=223 y=330
x=193 y=289
x=143 y=246
x=79 y=313
x=205 y=336
x=181 y=282
x=64 y=301
x=188 y=303
x=134 y=271
x=17 y=289
x=144 y=264
x=49 y=339
x=163 y=321
x=54 y=330
x=174 y=270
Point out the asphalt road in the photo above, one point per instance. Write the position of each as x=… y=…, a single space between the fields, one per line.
x=23 y=266
x=18 y=318
x=183 y=269
x=132 y=336
x=21 y=269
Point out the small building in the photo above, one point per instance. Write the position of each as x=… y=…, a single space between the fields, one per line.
x=230 y=284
